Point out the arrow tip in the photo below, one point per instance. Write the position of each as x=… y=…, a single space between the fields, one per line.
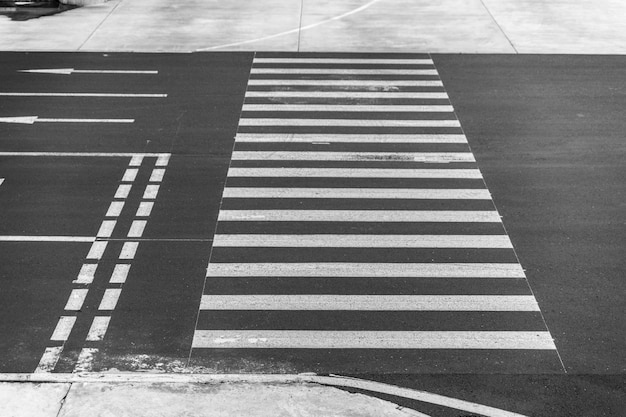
x=26 y=120
x=62 y=71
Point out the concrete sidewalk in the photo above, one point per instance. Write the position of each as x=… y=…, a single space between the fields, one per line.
x=454 y=26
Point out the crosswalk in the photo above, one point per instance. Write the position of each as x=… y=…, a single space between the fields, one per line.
x=354 y=220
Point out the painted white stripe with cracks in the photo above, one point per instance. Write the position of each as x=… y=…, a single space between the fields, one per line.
x=354 y=173
x=427 y=157
x=358 y=193
x=347 y=138
x=98 y=328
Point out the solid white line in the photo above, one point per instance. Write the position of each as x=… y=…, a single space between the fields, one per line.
x=348 y=138
x=354 y=173
x=151 y=192
x=85 y=239
x=129 y=250
x=76 y=299
x=135 y=161
x=97 y=250
x=106 y=229
x=85 y=360
x=328 y=339
x=347 y=94
x=343 y=71
x=115 y=95
x=363 y=241
x=349 y=122
x=374 y=270
x=130 y=175
x=137 y=228
x=378 y=216
x=43 y=120
x=430 y=157
x=98 y=328
x=86 y=274
x=115 y=208
x=123 y=190
x=157 y=175
x=133 y=156
x=64 y=328
x=145 y=208
x=346 y=108
x=120 y=274
x=350 y=83
x=110 y=299
x=49 y=359
x=69 y=71
x=358 y=193
x=324 y=302
x=372 y=61
x=163 y=160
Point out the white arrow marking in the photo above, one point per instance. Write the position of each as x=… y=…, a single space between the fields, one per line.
x=29 y=120
x=69 y=71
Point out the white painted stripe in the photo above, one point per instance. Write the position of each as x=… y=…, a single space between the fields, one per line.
x=86 y=274
x=76 y=300
x=43 y=120
x=358 y=193
x=378 y=216
x=64 y=328
x=1 y=181
x=348 y=94
x=375 y=270
x=115 y=209
x=69 y=71
x=79 y=239
x=123 y=190
x=363 y=241
x=98 y=328
x=120 y=274
x=348 y=138
x=349 y=122
x=430 y=157
x=137 y=228
x=135 y=161
x=115 y=95
x=151 y=192
x=130 y=175
x=106 y=229
x=97 y=250
x=157 y=175
x=163 y=160
x=343 y=71
x=110 y=299
x=49 y=359
x=349 y=83
x=324 y=302
x=85 y=360
x=371 y=61
x=346 y=108
x=129 y=250
x=311 y=339
x=353 y=173
x=86 y=154
x=145 y=209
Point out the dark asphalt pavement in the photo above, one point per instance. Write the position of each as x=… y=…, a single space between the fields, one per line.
x=548 y=136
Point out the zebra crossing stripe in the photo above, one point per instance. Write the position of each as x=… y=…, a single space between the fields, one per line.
x=348 y=138
x=354 y=173
x=349 y=94
x=346 y=108
x=349 y=122
x=342 y=71
x=328 y=339
x=431 y=157
x=370 y=61
x=354 y=83
x=358 y=193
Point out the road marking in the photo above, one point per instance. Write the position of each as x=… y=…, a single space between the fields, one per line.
x=35 y=119
x=362 y=241
x=358 y=193
x=349 y=122
x=163 y=159
x=63 y=329
x=145 y=209
x=76 y=299
x=49 y=359
x=70 y=71
x=349 y=83
x=85 y=360
x=354 y=173
x=363 y=270
x=137 y=228
x=129 y=250
x=354 y=302
x=130 y=175
x=135 y=161
x=394 y=216
x=110 y=299
x=346 y=108
x=80 y=239
x=327 y=339
x=342 y=71
x=122 y=191
x=106 y=229
x=151 y=192
x=115 y=209
x=1 y=181
x=97 y=250
x=370 y=61
x=431 y=157
x=86 y=274
x=348 y=94
x=98 y=328
x=133 y=155
x=103 y=95
x=120 y=274
x=348 y=138
x=157 y=175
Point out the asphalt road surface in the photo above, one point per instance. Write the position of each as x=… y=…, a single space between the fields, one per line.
x=330 y=213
